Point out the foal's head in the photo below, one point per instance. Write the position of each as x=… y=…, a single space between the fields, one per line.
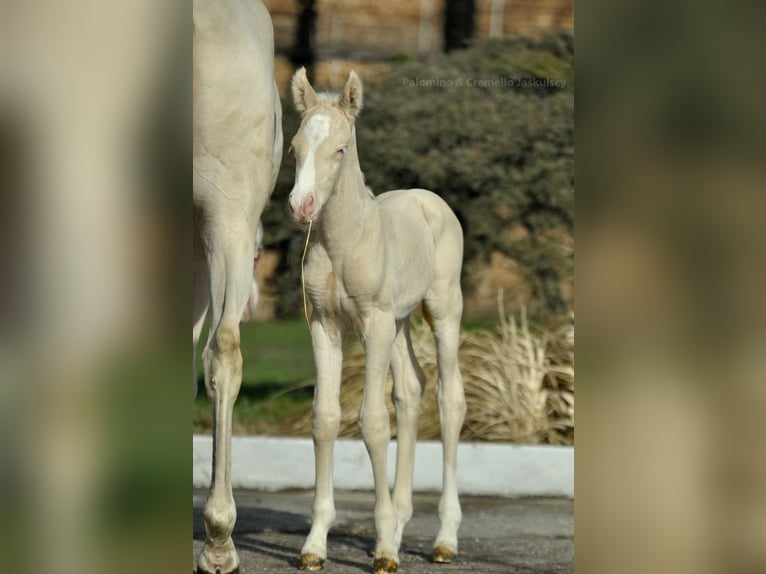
x=321 y=144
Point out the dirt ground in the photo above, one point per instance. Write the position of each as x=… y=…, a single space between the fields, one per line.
x=498 y=535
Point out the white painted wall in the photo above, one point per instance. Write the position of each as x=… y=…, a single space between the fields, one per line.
x=275 y=463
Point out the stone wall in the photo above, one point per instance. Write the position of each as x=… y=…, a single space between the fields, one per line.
x=364 y=35
x=366 y=29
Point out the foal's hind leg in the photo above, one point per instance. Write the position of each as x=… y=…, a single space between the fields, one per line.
x=378 y=339
x=446 y=312
x=409 y=382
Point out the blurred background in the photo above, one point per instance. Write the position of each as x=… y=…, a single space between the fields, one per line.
x=475 y=101
x=94 y=411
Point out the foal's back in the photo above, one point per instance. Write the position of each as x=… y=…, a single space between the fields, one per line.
x=422 y=218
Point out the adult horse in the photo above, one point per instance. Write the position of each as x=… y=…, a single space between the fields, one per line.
x=237 y=153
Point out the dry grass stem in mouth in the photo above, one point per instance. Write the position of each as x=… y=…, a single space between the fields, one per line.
x=519 y=385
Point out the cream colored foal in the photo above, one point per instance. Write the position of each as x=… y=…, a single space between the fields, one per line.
x=374 y=261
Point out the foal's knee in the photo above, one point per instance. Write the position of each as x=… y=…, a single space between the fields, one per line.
x=326 y=423
x=452 y=400
x=407 y=396
x=375 y=427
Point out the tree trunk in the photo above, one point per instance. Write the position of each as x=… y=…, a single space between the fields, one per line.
x=304 y=48
x=459 y=20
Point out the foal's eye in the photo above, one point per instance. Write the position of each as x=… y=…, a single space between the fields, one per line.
x=340 y=151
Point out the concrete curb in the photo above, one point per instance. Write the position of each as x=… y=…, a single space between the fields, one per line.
x=276 y=463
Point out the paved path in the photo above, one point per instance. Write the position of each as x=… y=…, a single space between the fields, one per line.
x=498 y=535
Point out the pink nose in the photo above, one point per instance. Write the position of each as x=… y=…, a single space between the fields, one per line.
x=306 y=209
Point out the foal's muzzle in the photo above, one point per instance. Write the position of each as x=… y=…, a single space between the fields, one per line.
x=303 y=211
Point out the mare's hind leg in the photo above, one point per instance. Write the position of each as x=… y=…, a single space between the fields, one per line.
x=230 y=257
x=409 y=382
x=445 y=309
x=201 y=302
x=199 y=321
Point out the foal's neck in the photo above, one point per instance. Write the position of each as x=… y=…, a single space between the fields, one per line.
x=351 y=210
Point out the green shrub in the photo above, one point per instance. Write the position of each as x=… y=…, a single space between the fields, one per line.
x=501 y=156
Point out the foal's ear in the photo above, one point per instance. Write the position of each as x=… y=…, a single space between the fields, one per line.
x=351 y=101
x=304 y=95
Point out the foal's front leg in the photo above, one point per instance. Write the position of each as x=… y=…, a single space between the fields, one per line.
x=373 y=420
x=328 y=357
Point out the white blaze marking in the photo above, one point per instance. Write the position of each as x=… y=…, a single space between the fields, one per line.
x=315 y=132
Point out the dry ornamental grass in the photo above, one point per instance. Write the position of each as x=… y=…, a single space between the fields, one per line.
x=519 y=385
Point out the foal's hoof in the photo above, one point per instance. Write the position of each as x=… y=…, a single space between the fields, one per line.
x=384 y=566
x=443 y=555
x=311 y=562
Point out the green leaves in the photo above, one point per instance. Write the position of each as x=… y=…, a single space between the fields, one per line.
x=501 y=155
x=491 y=130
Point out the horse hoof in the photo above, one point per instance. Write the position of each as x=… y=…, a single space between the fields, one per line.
x=311 y=562
x=384 y=566
x=443 y=555
x=221 y=559
x=201 y=570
